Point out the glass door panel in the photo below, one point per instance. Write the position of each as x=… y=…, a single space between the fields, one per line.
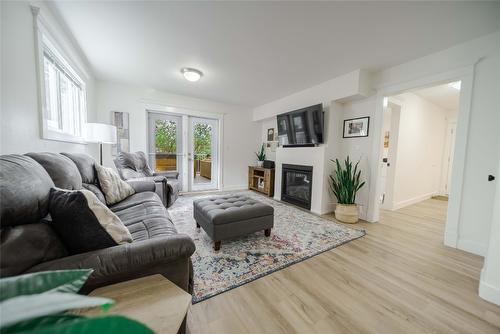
x=165 y=143
x=203 y=155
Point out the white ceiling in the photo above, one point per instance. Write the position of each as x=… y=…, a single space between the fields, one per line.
x=255 y=52
x=443 y=96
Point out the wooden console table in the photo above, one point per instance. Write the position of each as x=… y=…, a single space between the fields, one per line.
x=153 y=300
x=261 y=179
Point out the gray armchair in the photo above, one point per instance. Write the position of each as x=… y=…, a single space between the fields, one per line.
x=135 y=166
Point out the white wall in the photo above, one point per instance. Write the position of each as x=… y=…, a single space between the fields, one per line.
x=358 y=148
x=420 y=148
x=481 y=151
x=265 y=125
x=489 y=286
x=20 y=114
x=241 y=136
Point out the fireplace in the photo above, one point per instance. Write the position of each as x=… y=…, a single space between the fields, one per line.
x=296 y=185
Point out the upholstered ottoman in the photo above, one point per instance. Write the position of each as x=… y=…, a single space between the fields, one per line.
x=229 y=216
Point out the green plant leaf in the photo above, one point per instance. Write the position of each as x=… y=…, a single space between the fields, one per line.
x=22 y=308
x=45 y=281
x=345 y=181
x=100 y=325
x=41 y=322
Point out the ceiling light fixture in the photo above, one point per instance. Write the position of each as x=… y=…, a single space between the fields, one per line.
x=456 y=84
x=191 y=74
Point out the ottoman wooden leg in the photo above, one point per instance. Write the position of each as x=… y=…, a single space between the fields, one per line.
x=197 y=225
x=267 y=232
x=217 y=245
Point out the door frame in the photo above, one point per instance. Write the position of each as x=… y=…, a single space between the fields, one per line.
x=466 y=76
x=155 y=107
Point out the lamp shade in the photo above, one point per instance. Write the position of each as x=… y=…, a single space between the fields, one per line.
x=101 y=133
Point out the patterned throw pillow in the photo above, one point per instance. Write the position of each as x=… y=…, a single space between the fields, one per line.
x=115 y=189
x=83 y=222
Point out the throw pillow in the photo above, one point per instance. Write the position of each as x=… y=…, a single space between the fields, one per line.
x=115 y=189
x=83 y=222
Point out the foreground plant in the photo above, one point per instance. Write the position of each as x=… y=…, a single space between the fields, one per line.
x=38 y=302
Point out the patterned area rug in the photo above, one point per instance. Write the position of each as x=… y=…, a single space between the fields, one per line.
x=297 y=235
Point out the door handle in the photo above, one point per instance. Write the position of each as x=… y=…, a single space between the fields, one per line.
x=491 y=177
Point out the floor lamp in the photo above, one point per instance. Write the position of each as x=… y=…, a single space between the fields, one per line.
x=102 y=134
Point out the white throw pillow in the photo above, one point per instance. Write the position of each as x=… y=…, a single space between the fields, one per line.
x=115 y=189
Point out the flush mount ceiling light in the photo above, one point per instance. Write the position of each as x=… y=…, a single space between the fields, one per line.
x=191 y=74
x=456 y=84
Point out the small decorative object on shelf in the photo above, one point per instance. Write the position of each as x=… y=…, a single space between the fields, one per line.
x=344 y=184
x=261 y=156
x=261 y=179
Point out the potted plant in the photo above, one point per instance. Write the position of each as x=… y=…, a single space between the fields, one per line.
x=38 y=303
x=261 y=156
x=344 y=184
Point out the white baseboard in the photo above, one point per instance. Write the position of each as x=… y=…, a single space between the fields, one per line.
x=416 y=199
x=472 y=247
x=450 y=239
x=489 y=292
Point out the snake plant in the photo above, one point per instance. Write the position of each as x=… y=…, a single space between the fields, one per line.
x=261 y=155
x=345 y=181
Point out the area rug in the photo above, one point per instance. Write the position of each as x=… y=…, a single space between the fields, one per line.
x=297 y=235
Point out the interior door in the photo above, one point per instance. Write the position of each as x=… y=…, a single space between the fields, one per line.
x=165 y=143
x=203 y=154
x=449 y=152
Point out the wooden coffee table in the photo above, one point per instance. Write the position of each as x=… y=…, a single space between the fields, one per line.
x=153 y=300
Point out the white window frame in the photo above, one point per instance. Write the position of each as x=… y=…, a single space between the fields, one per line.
x=44 y=39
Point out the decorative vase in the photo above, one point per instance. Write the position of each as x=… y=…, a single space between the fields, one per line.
x=347 y=213
x=260 y=163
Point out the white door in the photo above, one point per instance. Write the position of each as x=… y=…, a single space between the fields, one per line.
x=165 y=143
x=448 y=158
x=203 y=167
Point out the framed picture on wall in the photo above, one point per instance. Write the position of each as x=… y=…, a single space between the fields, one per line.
x=356 y=127
x=271 y=134
x=120 y=120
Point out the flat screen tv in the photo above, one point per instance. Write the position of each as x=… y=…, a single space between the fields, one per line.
x=302 y=127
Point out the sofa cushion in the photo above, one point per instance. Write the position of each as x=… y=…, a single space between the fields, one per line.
x=231 y=208
x=25 y=246
x=114 y=189
x=86 y=166
x=84 y=223
x=24 y=190
x=136 y=161
x=145 y=216
x=61 y=169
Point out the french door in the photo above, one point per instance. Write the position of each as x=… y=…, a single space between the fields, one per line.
x=187 y=145
x=165 y=143
x=203 y=154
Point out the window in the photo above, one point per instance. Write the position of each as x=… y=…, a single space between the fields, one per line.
x=63 y=94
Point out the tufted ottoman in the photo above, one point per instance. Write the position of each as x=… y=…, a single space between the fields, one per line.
x=229 y=216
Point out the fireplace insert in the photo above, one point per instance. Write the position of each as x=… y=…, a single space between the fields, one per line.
x=296 y=185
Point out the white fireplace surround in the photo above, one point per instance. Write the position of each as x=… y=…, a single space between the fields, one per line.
x=321 y=202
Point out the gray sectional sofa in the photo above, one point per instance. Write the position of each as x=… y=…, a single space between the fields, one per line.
x=133 y=166
x=28 y=243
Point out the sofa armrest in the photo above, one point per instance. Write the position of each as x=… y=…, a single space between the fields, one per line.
x=168 y=175
x=142 y=184
x=127 y=261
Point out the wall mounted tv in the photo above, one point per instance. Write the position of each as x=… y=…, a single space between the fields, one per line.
x=302 y=127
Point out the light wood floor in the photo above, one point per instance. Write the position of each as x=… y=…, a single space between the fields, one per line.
x=399 y=278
